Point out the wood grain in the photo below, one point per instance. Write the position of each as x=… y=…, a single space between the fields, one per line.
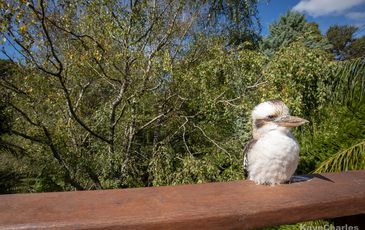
x=231 y=205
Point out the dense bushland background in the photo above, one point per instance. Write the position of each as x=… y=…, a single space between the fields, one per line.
x=114 y=94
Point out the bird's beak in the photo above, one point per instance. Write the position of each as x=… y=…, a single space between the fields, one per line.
x=290 y=121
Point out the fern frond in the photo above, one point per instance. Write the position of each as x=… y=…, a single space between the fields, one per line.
x=352 y=158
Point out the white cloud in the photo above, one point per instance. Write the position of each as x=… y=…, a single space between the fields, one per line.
x=316 y=8
x=356 y=15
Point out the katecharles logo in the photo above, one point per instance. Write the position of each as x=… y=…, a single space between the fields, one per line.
x=329 y=227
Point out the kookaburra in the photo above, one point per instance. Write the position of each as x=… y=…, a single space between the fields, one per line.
x=272 y=156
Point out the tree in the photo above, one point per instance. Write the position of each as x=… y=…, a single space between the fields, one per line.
x=345 y=45
x=97 y=95
x=298 y=75
x=219 y=90
x=357 y=48
x=234 y=19
x=290 y=28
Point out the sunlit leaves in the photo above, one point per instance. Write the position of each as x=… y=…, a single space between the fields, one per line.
x=297 y=75
x=22 y=28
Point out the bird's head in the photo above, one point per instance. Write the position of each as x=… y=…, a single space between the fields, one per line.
x=273 y=115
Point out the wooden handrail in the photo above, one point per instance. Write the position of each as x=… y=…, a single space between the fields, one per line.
x=230 y=205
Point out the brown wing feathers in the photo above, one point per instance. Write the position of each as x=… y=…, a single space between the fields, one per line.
x=246 y=151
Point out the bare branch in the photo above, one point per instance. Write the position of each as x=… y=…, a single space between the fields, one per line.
x=229 y=101
x=112 y=120
x=30 y=56
x=211 y=140
x=74 y=115
x=12 y=87
x=184 y=35
x=154 y=119
x=26 y=136
x=45 y=30
x=81 y=94
x=11 y=147
x=150 y=122
x=184 y=140
x=57 y=155
x=24 y=115
x=148 y=31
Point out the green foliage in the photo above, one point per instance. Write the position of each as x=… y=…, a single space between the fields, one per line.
x=290 y=28
x=340 y=128
x=212 y=121
x=337 y=129
x=298 y=76
x=285 y=31
x=236 y=20
x=348 y=87
x=345 y=45
x=9 y=179
x=357 y=48
x=114 y=94
x=348 y=122
x=6 y=68
x=352 y=158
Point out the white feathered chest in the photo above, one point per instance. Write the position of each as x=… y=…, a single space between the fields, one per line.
x=273 y=158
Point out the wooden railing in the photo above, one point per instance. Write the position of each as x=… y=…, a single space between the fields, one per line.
x=231 y=205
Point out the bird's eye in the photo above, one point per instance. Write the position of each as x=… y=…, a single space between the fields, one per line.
x=271 y=116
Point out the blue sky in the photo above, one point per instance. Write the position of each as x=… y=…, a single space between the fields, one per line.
x=324 y=12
